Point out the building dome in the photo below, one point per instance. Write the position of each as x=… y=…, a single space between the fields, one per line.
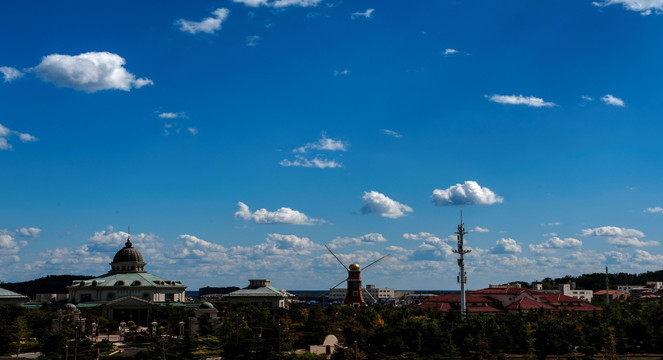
x=206 y=305
x=354 y=267
x=128 y=254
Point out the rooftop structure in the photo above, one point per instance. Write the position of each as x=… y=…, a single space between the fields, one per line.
x=11 y=298
x=261 y=292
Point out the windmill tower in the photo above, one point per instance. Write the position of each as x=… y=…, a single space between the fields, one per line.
x=354 y=294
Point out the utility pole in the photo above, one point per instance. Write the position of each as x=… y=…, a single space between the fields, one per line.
x=462 y=277
x=607 y=286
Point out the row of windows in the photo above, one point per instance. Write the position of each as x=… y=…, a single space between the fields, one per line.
x=127 y=268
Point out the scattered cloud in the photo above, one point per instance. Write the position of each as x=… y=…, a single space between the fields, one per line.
x=479 y=229
x=208 y=25
x=468 y=193
x=89 y=72
x=324 y=143
x=6 y=133
x=173 y=115
x=368 y=239
x=252 y=40
x=643 y=257
x=380 y=204
x=612 y=100
x=520 y=100
x=363 y=14
x=10 y=74
x=29 y=232
x=555 y=243
x=620 y=237
x=283 y=215
x=278 y=3
x=644 y=7
x=450 y=51
x=586 y=98
x=555 y=223
x=192 y=130
x=392 y=133
x=316 y=162
x=657 y=209
x=506 y=246
x=341 y=72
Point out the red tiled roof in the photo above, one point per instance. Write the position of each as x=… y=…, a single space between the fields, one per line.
x=500 y=291
x=528 y=304
x=558 y=298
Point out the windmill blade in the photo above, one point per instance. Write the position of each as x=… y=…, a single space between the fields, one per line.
x=337 y=285
x=339 y=260
x=367 y=266
x=365 y=290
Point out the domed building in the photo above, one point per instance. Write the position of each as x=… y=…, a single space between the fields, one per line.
x=127 y=291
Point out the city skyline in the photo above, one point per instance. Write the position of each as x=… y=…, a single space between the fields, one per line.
x=237 y=138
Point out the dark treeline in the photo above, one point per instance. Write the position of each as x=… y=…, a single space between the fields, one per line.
x=51 y=284
x=380 y=332
x=596 y=281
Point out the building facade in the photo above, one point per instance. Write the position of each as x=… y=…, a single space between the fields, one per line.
x=260 y=292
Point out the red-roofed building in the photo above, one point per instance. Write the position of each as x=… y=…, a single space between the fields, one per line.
x=614 y=294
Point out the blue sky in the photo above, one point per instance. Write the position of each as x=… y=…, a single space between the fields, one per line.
x=237 y=138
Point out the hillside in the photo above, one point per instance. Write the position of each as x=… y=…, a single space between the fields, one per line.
x=51 y=284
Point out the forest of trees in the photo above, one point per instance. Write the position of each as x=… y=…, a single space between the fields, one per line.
x=381 y=332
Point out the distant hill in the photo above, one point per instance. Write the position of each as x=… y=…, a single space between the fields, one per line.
x=596 y=281
x=216 y=290
x=51 y=284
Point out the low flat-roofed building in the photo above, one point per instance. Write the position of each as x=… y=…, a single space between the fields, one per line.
x=260 y=292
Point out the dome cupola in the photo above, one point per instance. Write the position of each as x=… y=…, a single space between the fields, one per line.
x=128 y=259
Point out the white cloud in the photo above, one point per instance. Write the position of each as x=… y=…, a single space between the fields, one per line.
x=450 y=51
x=192 y=130
x=657 y=209
x=365 y=14
x=506 y=246
x=8 y=245
x=392 y=133
x=208 y=25
x=279 y=3
x=252 y=40
x=468 y=193
x=341 y=72
x=283 y=215
x=10 y=74
x=616 y=257
x=645 y=7
x=612 y=100
x=324 y=143
x=555 y=223
x=554 y=243
x=316 y=162
x=520 y=100
x=5 y=132
x=172 y=115
x=642 y=256
x=89 y=72
x=380 y=204
x=586 y=98
x=31 y=232
x=479 y=229
x=620 y=237
x=368 y=239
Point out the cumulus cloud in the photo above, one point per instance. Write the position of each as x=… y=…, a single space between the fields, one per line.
x=657 y=209
x=612 y=100
x=520 y=100
x=341 y=72
x=468 y=193
x=365 y=14
x=279 y=3
x=368 y=239
x=316 y=162
x=644 y=7
x=450 y=51
x=173 y=115
x=324 y=143
x=479 y=229
x=10 y=74
x=643 y=257
x=283 y=215
x=554 y=243
x=5 y=133
x=208 y=25
x=391 y=133
x=621 y=237
x=30 y=232
x=506 y=246
x=89 y=72
x=380 y=204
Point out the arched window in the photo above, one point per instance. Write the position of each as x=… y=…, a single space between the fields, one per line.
x=135 y=283
x=119 y=283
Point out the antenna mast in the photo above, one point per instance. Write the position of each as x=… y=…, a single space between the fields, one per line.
x=462 y=277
